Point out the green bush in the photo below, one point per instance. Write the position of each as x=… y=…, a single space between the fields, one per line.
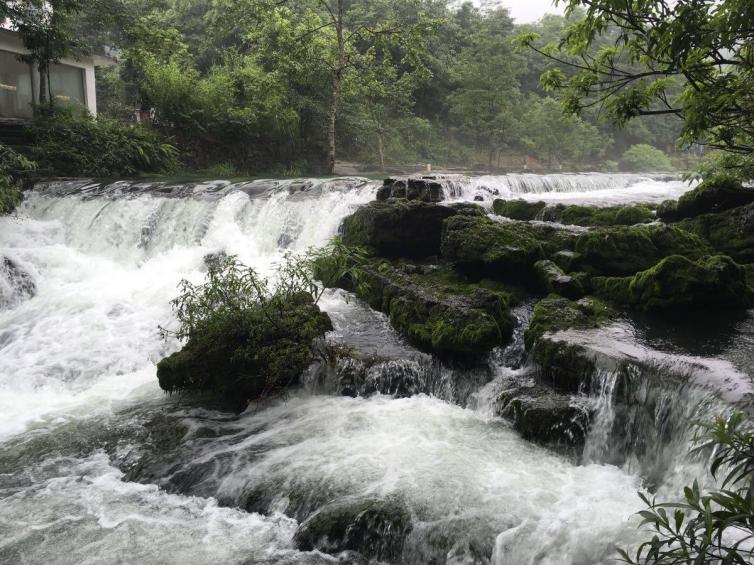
x=13 y=166
x=645 y=158
x=247 y=337
x=714 y=527
x=69 y=145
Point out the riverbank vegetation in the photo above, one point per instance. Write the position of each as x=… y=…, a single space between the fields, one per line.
x=288 y=87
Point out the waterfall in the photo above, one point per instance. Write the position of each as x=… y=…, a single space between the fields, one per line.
x=99 y=465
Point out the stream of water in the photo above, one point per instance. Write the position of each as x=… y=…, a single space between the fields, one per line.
x=98 y=466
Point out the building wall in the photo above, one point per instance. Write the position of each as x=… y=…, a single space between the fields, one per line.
x=10 y=43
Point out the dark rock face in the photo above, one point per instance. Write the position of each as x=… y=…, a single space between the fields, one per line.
x=374 y=528
x=711 y=196
x=628 y=250
x=677 y=282
x=18 y=284
x=730 y=233
x=424 y=190
x=397 y=229
x=544 y=416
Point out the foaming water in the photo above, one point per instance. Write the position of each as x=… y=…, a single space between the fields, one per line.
x=593 y=189
x=99 y=467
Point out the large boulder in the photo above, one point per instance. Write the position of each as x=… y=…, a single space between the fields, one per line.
x=677 y=282
x=498 y=249
x=711 y=196
x=243 y=356
x=517 y=209
x=625 y=250
x=729 y=233
x=565 y=365
x=438 y=313
x=397 y=228
x=374 y=528
x=605 y=216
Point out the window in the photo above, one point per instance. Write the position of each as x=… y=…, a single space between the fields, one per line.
x=67 y=85
x=15 y=87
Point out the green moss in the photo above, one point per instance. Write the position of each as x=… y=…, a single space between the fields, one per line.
x=729 y=233
x=630 y=249
x=438 y=311
x=610 y=216
x=712 y=196
x=555 y=313
x=677 y=282
x=517 y=209
x=10 y=196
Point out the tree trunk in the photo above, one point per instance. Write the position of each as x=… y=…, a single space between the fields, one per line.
x=336 y=85
x=43 y=89
x=381 y=147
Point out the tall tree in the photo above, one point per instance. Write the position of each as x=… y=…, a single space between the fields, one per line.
x=693 y=59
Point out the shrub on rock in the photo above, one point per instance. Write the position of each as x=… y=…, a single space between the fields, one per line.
x=644 y=158
x=677 y=282
x=243 y=339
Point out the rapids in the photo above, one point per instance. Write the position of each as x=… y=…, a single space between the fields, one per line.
x=98 y=466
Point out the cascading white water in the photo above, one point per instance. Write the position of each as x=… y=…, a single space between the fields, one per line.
x=594 y=189
x=82 y=419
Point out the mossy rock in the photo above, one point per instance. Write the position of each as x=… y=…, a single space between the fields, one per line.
x=542 y=415
x=608 y=216
x=627 y=250
x=517 y=209
x=729 y=233
x=552 y=279
x=437 y=311
x=244 y=356
x=555 y=313
x=566 y=365
x=711 y=196
x=502 y=250
x=677 y=282
x=397 y=228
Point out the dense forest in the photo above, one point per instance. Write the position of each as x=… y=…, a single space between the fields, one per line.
x=248 y=86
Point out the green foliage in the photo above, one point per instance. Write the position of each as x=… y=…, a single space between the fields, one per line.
x=707 y=527
x=13 y=167
x=687 y=58
x=245 y=336
x=645 y=158
x=70 y=145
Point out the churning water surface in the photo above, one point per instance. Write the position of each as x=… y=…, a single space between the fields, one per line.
x=98 y=466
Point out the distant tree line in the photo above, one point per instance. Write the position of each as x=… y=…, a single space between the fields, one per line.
x=291 y=86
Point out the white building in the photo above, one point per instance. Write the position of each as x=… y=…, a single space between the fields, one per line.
x=72 y=81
